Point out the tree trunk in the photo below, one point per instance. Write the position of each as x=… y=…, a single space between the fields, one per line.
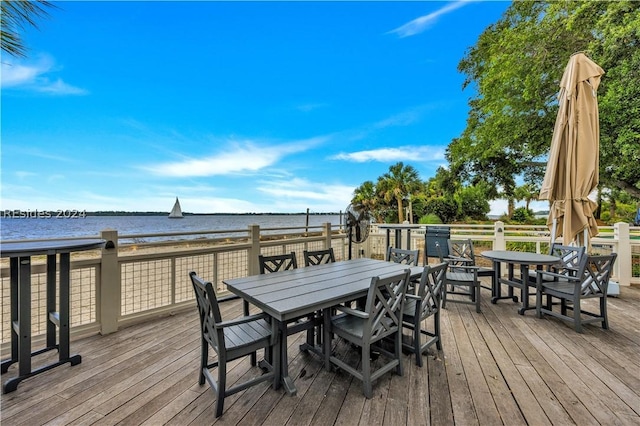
x=400 y=210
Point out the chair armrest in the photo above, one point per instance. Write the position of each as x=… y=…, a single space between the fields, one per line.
x=469 y=268
x=556 y=275
x=242 y=320
x=412 y=296
x=350 y=311
x=458 y=259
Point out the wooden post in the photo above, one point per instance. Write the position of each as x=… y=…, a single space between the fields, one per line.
x=327 y=235
x=109 y=290
x=254 y=251
x=622 y=267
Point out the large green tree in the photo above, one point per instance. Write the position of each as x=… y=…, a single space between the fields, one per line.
x=14 y=17
x=397 y=184
x=516 y=67
x=366 y=196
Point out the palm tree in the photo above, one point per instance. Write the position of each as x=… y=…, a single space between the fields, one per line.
x=15 y=15
x=400 y=182
x=365 y=195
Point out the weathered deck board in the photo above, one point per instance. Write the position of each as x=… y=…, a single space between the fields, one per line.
x=496 y=367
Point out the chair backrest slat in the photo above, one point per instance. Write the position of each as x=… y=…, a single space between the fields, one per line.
x=279 y=262
x=407 y=257
x=384 y=304
x=570 y=256
x=318 y=257
x=596 y=271
x=462 y=248
x=209 y=311
x=431 y=288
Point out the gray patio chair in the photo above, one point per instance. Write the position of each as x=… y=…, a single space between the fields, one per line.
x=570 y=257
x=278 y=262
x=284 y=262
x=318 y=257
x=422 y=305
x=591 y=281
x=407 y=257
x=462 y=251
x=231 y=340
x=462 y=280
x=382 y=317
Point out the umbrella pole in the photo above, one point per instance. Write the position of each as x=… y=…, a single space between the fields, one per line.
x=554 y=226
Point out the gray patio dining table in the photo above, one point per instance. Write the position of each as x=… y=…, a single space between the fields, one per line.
x=287 y=295
x=512 y=258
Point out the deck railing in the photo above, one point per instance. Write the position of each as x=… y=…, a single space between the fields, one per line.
x=144 y=276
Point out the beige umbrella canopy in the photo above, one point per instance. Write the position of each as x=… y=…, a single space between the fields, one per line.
x=572 y=169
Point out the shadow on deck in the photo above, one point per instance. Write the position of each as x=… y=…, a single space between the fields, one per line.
x=496 y=367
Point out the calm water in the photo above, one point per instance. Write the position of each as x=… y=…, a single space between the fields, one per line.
x=33 y=228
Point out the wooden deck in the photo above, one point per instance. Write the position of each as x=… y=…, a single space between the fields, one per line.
x=496 y=368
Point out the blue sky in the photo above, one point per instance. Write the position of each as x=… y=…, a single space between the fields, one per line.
x=231 y=106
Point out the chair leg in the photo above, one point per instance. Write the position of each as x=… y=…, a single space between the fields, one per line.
x=577 y=322
x=275 y=364
x=398 y=350
x=603 y=312
x=538 y=303
x=245 y=307
x=366 y=371
x=444 y=299
x=204 y=359
x=476 y=290
x=416 y=342
x=222 y=386
x=436 y=329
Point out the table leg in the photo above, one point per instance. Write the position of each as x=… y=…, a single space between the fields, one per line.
x=64 y=311
x=24 y=317
x=286 y=380
x=14 y=277
x=524 y=277
x=21 y=326
x=496 y=292
x=51 y=300
x=524 y=290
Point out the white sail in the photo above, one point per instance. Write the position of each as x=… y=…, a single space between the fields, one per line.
x=176 y=211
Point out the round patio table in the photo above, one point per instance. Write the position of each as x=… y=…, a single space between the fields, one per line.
x=512 y=258
x=19 y=254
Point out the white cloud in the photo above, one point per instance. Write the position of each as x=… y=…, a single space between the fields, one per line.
x=236 y=158
x=398 y=120
x=310 y=107
x=298 y=194
x=59 y=87
x=36 y=76
x=385 y=155
x=422 y=23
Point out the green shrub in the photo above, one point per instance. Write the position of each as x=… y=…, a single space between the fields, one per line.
x=430 y=219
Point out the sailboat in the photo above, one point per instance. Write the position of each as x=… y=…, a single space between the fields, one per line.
x=176 y=211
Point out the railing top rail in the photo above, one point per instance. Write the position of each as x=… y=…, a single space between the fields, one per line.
x=50 y=239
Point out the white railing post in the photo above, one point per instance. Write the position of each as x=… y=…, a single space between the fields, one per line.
x=499 y=242
x=623 y=263
x=254 y=251
x=110 y=289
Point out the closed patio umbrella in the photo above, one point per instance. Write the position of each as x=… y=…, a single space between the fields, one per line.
x=572 y=169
